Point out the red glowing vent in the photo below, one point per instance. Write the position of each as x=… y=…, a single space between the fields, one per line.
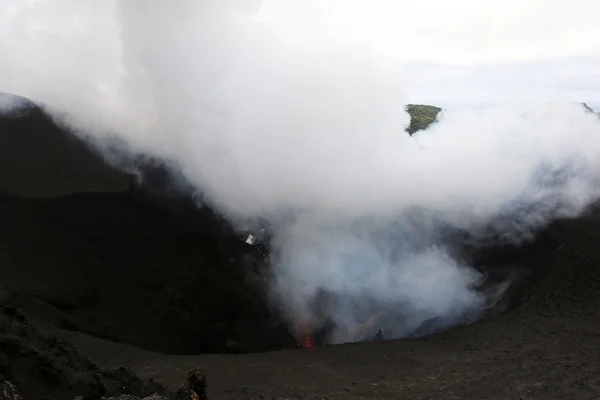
x=303 y=336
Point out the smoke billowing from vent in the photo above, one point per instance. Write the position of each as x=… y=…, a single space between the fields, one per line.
x=309 y=135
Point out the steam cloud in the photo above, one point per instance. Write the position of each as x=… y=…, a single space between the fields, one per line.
x=309 y=135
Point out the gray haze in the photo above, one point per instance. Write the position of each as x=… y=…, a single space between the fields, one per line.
x=309 y=134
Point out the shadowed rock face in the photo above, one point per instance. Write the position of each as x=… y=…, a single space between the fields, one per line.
x=35 y=365
x=38 y=159
x=89 y=248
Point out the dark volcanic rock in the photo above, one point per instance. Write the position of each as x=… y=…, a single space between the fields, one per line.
x=34 y=365
x=38 y=159
x=92 y=249
x=193 y=388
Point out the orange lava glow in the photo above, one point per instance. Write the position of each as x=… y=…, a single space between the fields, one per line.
x=303 y=336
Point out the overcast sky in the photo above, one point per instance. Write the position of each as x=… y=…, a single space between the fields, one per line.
x=455 y=51
x=488 y=50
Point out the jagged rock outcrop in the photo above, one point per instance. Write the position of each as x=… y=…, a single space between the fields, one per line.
x=37 y=365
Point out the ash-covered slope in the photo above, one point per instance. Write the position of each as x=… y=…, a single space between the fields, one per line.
x=90 y=248
x=544 y=347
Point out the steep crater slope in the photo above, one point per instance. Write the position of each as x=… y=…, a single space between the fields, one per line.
x=87 y=247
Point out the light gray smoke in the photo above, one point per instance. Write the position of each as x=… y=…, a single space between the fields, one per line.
x=308 y=134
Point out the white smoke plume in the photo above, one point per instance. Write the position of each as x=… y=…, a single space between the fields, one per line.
x=308 y=134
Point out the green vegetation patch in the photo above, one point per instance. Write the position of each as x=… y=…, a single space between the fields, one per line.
x=421 y=116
